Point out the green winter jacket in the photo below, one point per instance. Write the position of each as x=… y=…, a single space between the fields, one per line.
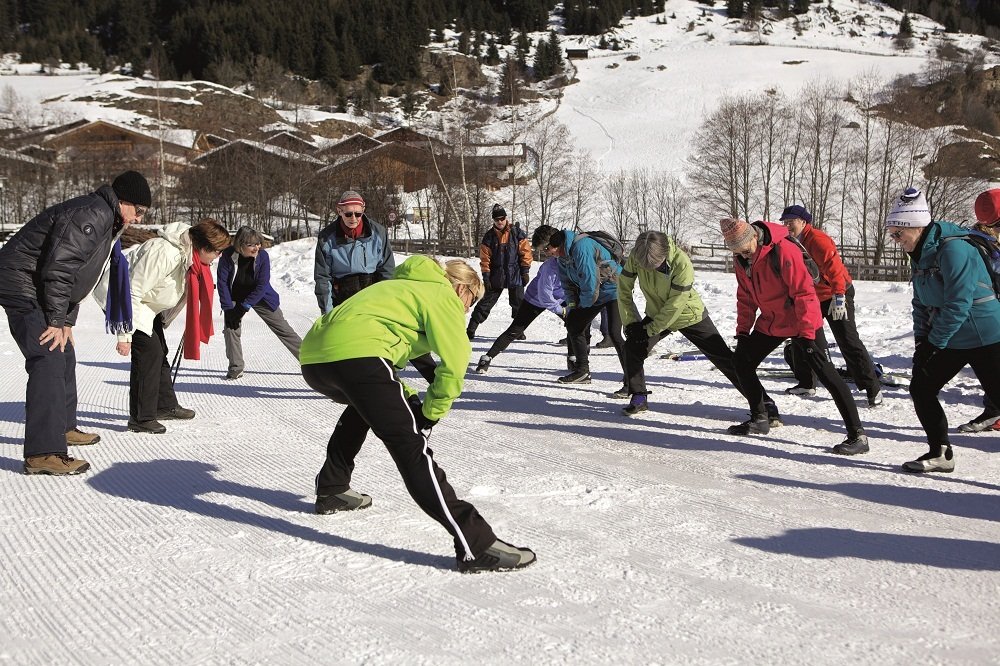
x=416 y=312
x=671 y=301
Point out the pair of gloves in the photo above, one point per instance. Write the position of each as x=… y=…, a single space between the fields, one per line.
x=233 y=316
x=424 y=424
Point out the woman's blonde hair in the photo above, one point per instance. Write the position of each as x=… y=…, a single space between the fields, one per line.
x=459 y=272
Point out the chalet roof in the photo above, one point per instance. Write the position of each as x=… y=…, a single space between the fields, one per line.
x=417 y=157
x=408 y=135
x=294 y=138
x=24 y=159
x=355 y=143
x=181 y=138
x=496 y=149
x=278 y=151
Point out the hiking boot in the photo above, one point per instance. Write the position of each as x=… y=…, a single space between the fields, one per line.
x=349 y=500
x=852 y=446
x=501 y=556
x=149 y=427
x=985 y=421
x=943 y=462
x=484 y=365
x=874 y=398
x=564 y=341
x=622 y=393
x=230 y=376
x=56 y=464
x=605 y=343
x=175 y=413
x=799 y=389
x=773 y=418
x=77 y=437
x=637 y=404
x=756 y=425
x=522 y=336
x=576 y=377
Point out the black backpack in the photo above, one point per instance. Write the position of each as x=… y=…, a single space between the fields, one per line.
x=811 y=264
x=609 y=243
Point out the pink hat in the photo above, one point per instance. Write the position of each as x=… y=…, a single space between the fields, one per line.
x=736 y=233
x=351 y=198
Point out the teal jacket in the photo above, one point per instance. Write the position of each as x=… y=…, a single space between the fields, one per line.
x=954 y=305
x=671 y=301
x=416 y=312
x=588 y=272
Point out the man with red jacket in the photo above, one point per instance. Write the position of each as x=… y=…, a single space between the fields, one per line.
x=788 y=308
x=836 y=303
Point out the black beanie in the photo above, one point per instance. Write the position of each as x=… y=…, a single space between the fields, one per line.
x=498 y=212
x=132 y=188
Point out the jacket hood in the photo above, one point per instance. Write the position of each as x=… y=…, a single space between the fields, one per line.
x=938 y=230
x=176 y=233
x=570 y=238
x=421 y=269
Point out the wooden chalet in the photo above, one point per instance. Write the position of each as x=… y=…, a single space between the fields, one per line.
x=353 y=145
x=100 y=141
x=394 y=164
x=413 y=138
x=291 y=141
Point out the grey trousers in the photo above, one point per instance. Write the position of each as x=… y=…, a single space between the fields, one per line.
x=276 y=322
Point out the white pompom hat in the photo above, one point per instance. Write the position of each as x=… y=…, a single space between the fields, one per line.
x=909 y=210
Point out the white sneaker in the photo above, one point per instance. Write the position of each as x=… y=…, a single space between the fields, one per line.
x=925 y=463
x=980 y=423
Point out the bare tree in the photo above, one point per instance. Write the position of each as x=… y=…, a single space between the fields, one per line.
x=551 y=181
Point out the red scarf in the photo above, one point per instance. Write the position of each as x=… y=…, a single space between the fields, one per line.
x=354 y=233
x=198 y=327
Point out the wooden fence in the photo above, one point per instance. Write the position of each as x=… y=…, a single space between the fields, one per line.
x=895 y=265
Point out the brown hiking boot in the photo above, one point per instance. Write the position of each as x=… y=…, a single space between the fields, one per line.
x=77 y=437
x=57 y=464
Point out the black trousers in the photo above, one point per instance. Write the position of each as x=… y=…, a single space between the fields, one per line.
x=856 y=356
x=375 y=401
x=515 y=295
x=703 y=335
x=578 y=332
x=929 y=378
x=149 y=385
x=753 y=349
x=527 y=313
x=50 y=397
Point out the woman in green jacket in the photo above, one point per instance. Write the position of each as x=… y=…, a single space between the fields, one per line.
x=351 y=355
x=666 y=279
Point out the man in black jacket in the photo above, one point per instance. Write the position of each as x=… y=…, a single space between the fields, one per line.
x=51 y=264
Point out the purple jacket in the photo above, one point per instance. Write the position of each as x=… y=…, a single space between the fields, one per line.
x=263 y=292
x=546 y=291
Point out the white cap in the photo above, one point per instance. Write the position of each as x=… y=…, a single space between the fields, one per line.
x=909 y=210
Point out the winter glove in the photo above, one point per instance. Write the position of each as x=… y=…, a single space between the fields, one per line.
x=424 y=424
x=525 y=276
x=838 y=308
x=923 y=353
x=232 y=317
x=486 y=279
x=636 y=332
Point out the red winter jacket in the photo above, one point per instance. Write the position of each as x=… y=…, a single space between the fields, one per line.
x=833 y=275
x=787 y=302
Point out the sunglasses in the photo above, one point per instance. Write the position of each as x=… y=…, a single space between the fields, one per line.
x=350 y=214
x=140 y=210
x=896 y=235
x=500 y=219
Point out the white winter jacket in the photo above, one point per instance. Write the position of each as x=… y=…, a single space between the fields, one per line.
x=157 y=274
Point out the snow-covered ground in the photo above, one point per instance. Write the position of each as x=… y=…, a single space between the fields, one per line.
x=660 y=539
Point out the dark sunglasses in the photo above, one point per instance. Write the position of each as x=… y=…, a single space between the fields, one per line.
x=349 y=214
x=141 y=210
x=896 y=235
x=500 y=219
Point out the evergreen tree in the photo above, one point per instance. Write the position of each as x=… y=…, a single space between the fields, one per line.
x=735 y=8
x=492 y=54
x=521 y=47
x=555 y=52
x=510 y=86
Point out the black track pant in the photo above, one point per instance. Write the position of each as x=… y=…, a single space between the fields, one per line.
x=515 y=295
x=527 y=313
x=149 y=385
x=703 y=335
x=856 y=356
x=753 y=349
x=375 y=401
x=50 y=397
x=930 y=377
x=578 y=332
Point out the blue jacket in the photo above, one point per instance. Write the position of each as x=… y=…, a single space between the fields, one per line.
x=226 y=273
x=546 y=291
x=344 y=266
x=954 y=305
x=588 y=272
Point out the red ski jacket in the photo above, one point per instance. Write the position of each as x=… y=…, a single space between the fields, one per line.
x=787 y=302
x=833 y=275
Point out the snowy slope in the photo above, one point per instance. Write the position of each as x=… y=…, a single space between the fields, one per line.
x=660 y=539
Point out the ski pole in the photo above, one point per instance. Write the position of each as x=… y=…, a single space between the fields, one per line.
x=176 y=364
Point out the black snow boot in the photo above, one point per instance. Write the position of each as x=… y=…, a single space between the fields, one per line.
x=757 y=425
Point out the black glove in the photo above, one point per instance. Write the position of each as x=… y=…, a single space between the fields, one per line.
x=486 y=279
x=424 y=424
x=636 y=332
x=525 y=276
x=233 y=316
x=923 y=353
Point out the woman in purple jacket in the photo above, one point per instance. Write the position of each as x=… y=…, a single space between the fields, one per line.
x=244 y=283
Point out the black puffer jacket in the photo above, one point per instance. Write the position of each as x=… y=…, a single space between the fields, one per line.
x=57 y=257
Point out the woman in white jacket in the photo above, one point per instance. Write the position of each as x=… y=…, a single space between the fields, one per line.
x=161 y=274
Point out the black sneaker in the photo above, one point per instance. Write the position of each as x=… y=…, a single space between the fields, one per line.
x=563 y=342
x=176 y=413
x=852 y=446
x=621 y=394
x=501 y=556
x=605 y=343
x=484 y=365
x=874 y=398
x=149 y=427
x=349 y=500
x=756 y=425
x=638 y=404
x=576 y=377
x=231 y=376
x=522 y=336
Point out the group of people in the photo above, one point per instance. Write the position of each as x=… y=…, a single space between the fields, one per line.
x=375 y=317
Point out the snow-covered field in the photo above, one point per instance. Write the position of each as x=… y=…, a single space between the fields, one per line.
x=660 y=539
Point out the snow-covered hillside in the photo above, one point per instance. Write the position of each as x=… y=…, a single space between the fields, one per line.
x=661 y=539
